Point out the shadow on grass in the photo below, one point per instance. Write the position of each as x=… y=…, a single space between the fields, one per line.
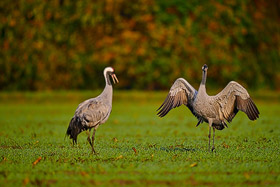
x=171 y=149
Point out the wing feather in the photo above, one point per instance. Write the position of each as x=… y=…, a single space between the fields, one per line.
x=233 y=98
x=92 y=112
x=181 y=92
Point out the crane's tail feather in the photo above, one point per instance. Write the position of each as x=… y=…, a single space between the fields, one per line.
x=200 y=121
x=74 y=128
x=220 y=126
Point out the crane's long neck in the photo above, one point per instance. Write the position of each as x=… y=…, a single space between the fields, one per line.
x=204 y=76
x=108 y=90
x=107 y=79
x=202 y=87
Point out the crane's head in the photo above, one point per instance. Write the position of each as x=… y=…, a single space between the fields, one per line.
x=110 y=71
x=204 y=68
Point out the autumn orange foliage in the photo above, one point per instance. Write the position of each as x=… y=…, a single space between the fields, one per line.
x=66 y=44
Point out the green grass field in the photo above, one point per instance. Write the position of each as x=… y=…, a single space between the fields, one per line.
x=168 y=151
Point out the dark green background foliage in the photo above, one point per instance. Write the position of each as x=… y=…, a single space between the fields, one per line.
x=66 y=44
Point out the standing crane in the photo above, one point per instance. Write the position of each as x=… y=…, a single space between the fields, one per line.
x=215 y=110
x=93 y=112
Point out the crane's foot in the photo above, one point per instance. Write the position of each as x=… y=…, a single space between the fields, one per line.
x=93 y=151
x=213 y=148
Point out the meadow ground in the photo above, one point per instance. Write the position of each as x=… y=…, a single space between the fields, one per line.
x=135 y=146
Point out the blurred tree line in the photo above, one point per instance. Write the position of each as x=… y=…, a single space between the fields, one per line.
x=64 y=44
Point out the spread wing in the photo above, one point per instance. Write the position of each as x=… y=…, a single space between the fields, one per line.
x=92 y=112
x=180 y=93
x=233 y=98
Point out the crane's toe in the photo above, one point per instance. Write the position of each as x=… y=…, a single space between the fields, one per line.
x=94 y=152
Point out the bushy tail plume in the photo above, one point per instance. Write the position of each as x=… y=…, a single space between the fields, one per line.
x=74 y=128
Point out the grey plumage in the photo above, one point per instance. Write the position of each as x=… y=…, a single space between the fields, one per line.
x=93 y=112
x=215 y=110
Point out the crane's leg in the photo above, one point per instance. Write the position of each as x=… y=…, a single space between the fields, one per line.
x=213 y=147
x=209 y=135
x=88 y=139
x=92 y=141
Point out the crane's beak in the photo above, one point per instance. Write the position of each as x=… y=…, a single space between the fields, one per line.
x=115 y=79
